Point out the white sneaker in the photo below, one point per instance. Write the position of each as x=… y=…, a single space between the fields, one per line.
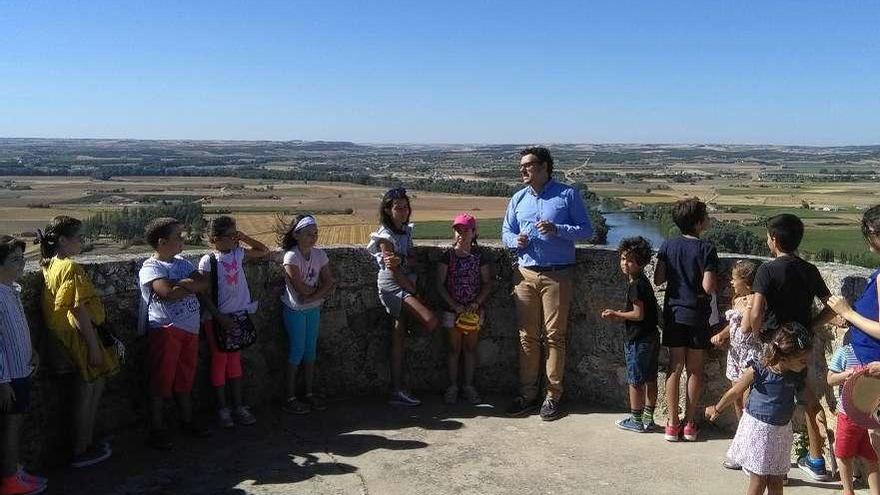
x=224 y=417
x=243 y=416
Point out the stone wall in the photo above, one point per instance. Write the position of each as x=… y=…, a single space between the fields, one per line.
x=353 y=349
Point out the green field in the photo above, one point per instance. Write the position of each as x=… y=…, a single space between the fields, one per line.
x=849 y=241
x=769 y=211
x=489 y=228
x=764 y=191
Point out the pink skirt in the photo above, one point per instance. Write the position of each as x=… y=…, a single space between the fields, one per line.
x=761 y=448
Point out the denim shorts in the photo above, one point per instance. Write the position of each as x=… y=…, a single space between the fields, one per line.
x=392 y=295
x=641 y=360
x=393 y=301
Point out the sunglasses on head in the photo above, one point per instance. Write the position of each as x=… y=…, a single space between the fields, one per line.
x=801 y=336
x=396 y=193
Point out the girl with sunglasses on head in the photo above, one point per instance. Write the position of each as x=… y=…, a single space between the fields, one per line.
x=227 y=307
x=392 y=247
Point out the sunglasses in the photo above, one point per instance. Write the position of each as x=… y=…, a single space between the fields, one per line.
x=802 y=337
x=396 y=193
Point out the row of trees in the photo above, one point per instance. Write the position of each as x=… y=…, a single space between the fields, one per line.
x=865 y=259
x=728 y=237
x=127 y=225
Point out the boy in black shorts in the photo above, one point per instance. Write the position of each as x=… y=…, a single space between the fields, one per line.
x=688 y=266
x=785 y=290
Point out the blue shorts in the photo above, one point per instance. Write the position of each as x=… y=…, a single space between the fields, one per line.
x=642 y=356
x=21 y=387
x=393 y=301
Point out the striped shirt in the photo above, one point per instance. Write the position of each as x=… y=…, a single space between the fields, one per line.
x=843 y=359
x=15 y=336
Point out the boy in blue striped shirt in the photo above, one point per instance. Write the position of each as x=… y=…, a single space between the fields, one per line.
x=17 y=364
x=851 y=440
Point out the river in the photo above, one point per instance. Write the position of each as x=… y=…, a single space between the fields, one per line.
x=623 y=225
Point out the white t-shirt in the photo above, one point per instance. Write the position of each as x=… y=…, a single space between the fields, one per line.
x=182 y=313
x=233 y=294
x=310 y=269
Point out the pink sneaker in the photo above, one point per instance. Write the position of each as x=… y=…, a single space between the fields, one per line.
x=31 y=478
x=15 y=485
x=672 y=433
x=690 y=432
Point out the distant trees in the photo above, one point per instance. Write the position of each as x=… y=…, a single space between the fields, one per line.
x=866 y=259
x=600 y=228
x=825 y=254
x=728 y=237
x=731 y=237
x=127 y=225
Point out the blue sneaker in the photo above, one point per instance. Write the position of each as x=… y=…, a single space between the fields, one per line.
x=401 y=398
x=650 y=426
x=629 y=424
x=815 y=468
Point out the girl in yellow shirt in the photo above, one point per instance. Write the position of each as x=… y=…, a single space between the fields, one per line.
x=73 y=312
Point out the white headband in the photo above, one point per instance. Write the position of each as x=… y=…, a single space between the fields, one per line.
x=305 y=222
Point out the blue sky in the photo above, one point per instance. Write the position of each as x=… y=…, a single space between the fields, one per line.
x=768 y=71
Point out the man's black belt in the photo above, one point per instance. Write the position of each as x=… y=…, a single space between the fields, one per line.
x=545 y=269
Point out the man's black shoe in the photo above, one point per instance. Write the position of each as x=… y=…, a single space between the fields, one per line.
x=550 y=410
x=521 y=407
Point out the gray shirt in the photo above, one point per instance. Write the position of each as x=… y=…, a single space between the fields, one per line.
x=403 y=245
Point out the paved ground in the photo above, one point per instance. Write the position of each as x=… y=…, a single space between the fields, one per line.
x=366 y=447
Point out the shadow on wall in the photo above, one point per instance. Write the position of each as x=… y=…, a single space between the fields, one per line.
x=354 y=343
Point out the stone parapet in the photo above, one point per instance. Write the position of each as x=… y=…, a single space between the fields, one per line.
x=354 y=343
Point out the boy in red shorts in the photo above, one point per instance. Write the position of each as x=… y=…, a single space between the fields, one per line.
x=169 y=284
x=850 y=439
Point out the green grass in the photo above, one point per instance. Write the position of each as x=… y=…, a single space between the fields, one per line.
x=215 y=209
x=489 y=228
x=840 y=240
x=845 y=240
x=769 y=211
x=764 y=191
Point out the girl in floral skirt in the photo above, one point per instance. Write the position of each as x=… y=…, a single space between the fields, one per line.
x=762 y=445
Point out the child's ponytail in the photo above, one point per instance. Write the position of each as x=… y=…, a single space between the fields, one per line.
x=60 y=226
x=789 y=340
